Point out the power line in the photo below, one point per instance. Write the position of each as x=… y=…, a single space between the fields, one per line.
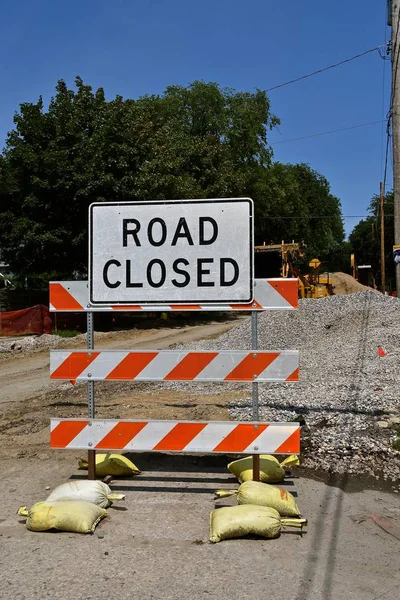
x=320 y=217
x=328 y=132
x=342 y=62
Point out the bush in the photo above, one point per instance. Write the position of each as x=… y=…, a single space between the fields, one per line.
x=66 y=333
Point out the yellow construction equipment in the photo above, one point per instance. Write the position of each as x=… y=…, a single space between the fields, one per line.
x=282 y=260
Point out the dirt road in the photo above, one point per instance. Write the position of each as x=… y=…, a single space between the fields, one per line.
x=28 y=398
x=155 y=546
x=27 y=376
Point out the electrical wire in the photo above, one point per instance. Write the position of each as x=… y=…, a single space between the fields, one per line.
x=319 y=217
x=342 y=62
x=328 y=132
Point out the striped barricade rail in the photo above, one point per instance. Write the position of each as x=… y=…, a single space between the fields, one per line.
x=174 y=365
x=175 y=436
x=269 y=294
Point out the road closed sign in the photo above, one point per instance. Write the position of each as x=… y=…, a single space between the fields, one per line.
x=171 y=252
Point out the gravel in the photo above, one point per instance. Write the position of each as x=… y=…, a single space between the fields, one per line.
x=348 y=395
x=11 y=347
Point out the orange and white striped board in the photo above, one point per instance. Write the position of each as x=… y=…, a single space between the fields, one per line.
x=175 y=436
x=269 y=294
x=174 y=365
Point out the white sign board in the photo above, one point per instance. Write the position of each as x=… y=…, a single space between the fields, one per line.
x=171 y=252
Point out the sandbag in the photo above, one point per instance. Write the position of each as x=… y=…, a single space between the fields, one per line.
x=264 y=494
x=111 y=464
x=237 y=521
x=77 y=516
x=271 y=470
x=96 y=492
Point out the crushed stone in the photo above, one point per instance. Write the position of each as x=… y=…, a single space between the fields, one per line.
x=10 y=347
x=346 y=389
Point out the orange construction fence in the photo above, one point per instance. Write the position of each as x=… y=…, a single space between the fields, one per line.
x=35 y=319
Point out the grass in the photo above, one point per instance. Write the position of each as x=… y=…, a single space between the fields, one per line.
x=66 y=333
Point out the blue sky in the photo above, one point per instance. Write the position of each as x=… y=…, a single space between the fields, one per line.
x=139 y=47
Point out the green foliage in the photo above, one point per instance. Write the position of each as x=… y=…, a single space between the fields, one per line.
x=366 y=235
x=65 y=333
x=199 y=141
x=295 y=203
x=341 y=261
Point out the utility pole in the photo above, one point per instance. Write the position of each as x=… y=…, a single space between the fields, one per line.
x=395 y=113
x=373 y=261
x=383 y=266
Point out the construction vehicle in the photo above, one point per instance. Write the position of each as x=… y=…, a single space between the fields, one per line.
x=284 y=260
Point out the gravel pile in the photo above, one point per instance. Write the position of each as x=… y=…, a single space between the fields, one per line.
x=9 y=348
x=348 y=395
x=31 y=344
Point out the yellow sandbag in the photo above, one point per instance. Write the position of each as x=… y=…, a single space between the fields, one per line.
x=263 y=494
x=271 y=470
x=96 y=492
x=77 y=516
x=111 y=464
x=237 y=521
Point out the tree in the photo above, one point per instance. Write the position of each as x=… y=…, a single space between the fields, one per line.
x=194 y=142
x=294 y=203
x=46 y=177
x=199 y=141
x=366 y=235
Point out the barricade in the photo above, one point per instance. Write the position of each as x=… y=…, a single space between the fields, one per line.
x=269 y=294
x=150 y=365
x=172 y=436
